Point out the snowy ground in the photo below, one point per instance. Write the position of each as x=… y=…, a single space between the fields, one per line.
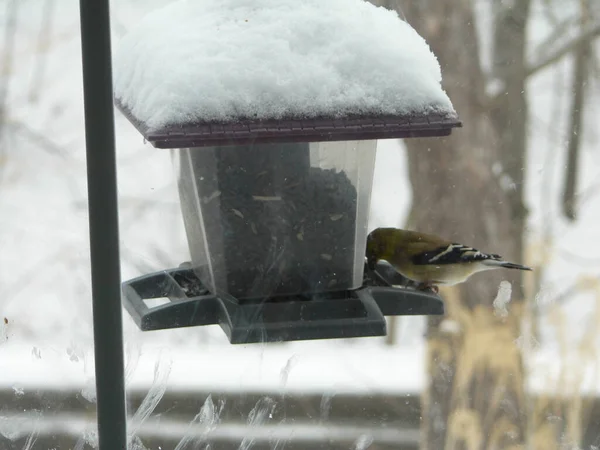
x=252 y=368
x=44 y=262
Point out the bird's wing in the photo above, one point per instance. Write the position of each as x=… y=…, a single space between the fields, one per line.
x=453 y=253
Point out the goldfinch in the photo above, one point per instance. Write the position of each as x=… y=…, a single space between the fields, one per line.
x=428 y=260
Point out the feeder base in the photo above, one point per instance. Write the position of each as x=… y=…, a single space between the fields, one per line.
x=346 y=314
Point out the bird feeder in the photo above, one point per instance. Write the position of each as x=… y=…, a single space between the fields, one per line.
x=274 y=187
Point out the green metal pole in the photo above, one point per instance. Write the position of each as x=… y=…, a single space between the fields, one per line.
x=103 y=223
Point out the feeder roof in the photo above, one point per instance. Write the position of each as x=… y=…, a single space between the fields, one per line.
x=278 y=70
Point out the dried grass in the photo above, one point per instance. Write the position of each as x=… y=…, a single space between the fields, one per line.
x=484 y=357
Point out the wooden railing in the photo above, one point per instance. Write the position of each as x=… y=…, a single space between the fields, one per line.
x=65 y=420
x=60 y=419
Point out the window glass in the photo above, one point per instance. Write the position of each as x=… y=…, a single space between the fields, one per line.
x=513 y=362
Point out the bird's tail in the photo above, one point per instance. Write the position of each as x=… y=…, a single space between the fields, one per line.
x=505 y=264
x=509 y=265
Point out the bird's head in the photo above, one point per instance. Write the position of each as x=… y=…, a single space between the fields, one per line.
x=379 y=245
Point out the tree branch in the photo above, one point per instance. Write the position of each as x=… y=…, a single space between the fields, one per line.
x=39 y=70
x=549 y=12
x=562 y=298
x=10 y=29
x=38 y=138
x=584 y=38
x=559 y=32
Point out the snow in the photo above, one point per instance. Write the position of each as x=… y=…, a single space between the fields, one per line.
x=317 y=368
x=321 y=368
x=206 y=60
x=502 y=299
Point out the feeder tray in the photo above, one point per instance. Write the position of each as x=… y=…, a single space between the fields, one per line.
x=344 y=314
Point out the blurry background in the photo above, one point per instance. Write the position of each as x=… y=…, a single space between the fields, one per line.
x=514 y=363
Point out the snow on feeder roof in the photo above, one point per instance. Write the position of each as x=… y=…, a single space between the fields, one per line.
x=217 y=72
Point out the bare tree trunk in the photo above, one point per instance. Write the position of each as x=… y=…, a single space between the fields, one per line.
x=580 y=75
x=469 y=188
x=510 y=113
x=6 y=68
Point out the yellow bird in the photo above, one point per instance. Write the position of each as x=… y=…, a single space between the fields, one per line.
x=429 y=260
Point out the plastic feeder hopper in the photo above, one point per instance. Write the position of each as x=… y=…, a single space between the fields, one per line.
x=276 y=215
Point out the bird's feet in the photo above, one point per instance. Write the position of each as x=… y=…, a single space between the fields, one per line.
x=426 y=287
